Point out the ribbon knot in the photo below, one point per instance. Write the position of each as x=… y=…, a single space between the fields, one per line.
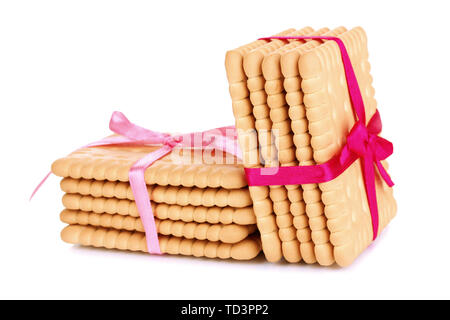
x=367 y=144
x=172 y=141
x=358 y=140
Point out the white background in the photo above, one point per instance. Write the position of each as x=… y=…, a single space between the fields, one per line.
x=66 y=65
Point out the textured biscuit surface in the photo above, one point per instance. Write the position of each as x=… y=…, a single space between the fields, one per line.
x=184 y=168
x=227 y=233
x=289 y=206
x=182 y=196
x=314 y=240
x=254 y=68
x=135 y=241
x=330 y=117
x=245 y=125
x=125 y=207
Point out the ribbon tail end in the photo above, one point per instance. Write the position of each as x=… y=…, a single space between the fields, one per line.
x=39 y=186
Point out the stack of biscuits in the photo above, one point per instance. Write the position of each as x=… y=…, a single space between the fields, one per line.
x=291 y=105
x=201 y=208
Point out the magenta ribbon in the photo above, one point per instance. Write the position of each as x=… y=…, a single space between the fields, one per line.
x=220 y=139
x=362 y=143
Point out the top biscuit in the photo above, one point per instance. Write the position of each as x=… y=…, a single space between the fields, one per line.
x=180 y=168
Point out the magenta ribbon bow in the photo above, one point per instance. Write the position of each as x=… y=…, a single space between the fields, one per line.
x=362 y=143
x=365 y=143
x=220 y=139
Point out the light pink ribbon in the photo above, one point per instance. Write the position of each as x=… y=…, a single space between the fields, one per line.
x=362 y=143
x=220 y=139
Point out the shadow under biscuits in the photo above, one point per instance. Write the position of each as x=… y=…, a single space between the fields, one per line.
x=258 y=260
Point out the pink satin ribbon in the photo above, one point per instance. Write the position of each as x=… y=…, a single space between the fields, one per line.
x=362 y=143
x=220 y=139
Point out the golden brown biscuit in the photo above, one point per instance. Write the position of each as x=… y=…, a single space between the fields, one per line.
x=302 y=151
x=182 y=196
x=243 y=113
x=189 y=213
x=255 y=82
x=227 y=233
x=135 y=241
x=291 y=204
x=330 y=117
x=114 y=163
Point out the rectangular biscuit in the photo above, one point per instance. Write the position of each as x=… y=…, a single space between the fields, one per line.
x=183 y=196
x=288 y=206
x=255 y=82
x=135 y=241
x=296 y=144
x=227 y=233
x=125 y=207
x=181 y=168
x=244 y=121
x=330 y=117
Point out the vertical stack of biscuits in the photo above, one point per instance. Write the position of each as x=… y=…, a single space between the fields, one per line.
x=291 y=105
x=201 y=208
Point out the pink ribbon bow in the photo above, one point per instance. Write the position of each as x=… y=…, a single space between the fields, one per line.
x=362 y=143
x=220 y=139
x=367 y=145
x=365 y=142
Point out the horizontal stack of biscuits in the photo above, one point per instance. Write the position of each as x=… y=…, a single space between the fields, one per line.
x=201 y=208
x=291 y=105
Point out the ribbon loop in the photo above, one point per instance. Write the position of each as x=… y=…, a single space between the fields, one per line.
x=375 y=125
x=120 y=124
